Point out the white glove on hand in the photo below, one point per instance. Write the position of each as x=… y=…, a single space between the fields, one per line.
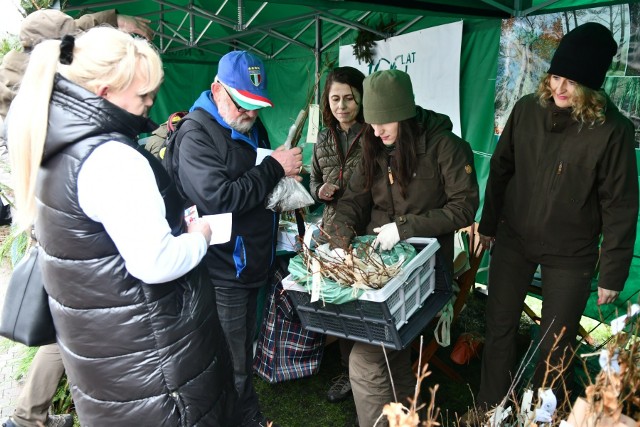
x=388 y=236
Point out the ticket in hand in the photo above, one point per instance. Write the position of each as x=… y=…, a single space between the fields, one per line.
x=190 y=214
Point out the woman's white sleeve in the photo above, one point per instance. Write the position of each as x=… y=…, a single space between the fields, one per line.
x=117 y=188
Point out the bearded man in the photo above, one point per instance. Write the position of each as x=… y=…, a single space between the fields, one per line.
x=214 y=162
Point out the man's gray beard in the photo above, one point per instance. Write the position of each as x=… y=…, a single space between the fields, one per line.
x=242 y=127
x=237 y=125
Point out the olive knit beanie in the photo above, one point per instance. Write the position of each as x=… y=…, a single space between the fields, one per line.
x=388 y=97
x=584 y=55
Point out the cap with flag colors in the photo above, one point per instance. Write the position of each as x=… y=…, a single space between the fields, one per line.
x=243 y=76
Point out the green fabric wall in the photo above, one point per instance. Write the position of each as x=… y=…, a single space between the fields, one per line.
x=290 y=82
x=183 y=83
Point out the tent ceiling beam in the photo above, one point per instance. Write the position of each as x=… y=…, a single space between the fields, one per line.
x=202 y=33
x=240 y=24
x=305 y=28
x=342 y=33
x=536 y=8
x=224 y=3
x=264 y=29
x=197 y=12
x=329 y=17
x=289 y=39
x=255 y=15
x=500 y=6
x=408 y=25
x=177 y=37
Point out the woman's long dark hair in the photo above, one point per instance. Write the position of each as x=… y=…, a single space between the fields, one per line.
x=346 y=75
x=404 y=160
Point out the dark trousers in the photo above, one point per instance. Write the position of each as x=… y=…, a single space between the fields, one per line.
x=565 y=291
x=345 y=350
x=237 y=313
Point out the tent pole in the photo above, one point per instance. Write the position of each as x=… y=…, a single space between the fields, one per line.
x=240 y=17
x=192 y=24
x=317 y=53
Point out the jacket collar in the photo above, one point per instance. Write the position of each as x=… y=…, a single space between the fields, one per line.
x=76 y=113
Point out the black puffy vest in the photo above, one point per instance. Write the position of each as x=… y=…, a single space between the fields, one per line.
x=135 y=354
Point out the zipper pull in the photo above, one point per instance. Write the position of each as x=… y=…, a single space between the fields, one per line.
x=390 y=175
x=559 y=168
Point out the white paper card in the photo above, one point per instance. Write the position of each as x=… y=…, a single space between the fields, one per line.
x=220 y=227
x=261 y=154
x=313 y=126
x=316 y=280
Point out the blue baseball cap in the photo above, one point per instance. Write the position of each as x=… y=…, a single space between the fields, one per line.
x=243 y=76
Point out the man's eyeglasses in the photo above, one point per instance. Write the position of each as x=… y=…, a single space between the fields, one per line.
x=240 y=109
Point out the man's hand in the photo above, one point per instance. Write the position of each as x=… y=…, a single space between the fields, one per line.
x=606 y=296
x=326 y=191
x=134 y=25
x=388 y=236
x=290 y=160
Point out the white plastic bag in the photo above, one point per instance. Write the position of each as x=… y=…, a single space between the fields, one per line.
x=288 y=195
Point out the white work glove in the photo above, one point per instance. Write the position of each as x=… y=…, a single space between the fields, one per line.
x=388 y=236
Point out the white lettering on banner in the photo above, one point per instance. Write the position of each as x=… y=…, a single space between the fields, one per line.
x=431 y=57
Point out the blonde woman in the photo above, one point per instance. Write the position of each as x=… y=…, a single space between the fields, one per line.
x=138 y=338
x=563 y=176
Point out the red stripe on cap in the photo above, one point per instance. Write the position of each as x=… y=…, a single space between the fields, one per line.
x=250 y=95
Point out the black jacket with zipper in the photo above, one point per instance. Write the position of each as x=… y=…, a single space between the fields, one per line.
x=218 y=174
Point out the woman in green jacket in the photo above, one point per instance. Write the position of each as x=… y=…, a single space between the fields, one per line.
x=563 y=177
x=416 y=180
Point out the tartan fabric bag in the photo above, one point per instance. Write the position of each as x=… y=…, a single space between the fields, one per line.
x=286 y=350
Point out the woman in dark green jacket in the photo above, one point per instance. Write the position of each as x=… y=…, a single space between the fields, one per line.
x=416 y=180
x=563 y=177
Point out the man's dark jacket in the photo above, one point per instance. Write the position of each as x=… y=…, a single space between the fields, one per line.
x=217 y=172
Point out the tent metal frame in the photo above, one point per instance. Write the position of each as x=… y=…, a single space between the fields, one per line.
x=172 y=40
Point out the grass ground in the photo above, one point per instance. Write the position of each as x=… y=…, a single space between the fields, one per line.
x=303 y=402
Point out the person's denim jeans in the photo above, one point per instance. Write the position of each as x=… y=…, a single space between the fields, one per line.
x=237 y=313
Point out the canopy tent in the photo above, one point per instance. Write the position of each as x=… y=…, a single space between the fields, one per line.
x=299 y=40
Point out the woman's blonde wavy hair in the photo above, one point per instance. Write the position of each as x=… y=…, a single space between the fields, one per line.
x=101 y=56
x=588 y=106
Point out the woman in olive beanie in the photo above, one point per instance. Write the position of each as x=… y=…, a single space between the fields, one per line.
x=416 y=179
x=563 y=178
